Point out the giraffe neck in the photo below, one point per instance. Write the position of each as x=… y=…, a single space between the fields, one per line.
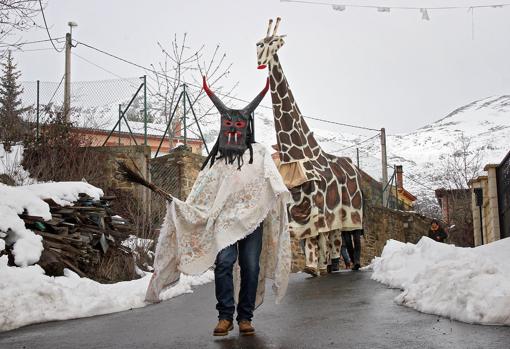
x=295 y=140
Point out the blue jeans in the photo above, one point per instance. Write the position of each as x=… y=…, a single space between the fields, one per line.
x=345 y=254
x=354 y=251
x=248 y=250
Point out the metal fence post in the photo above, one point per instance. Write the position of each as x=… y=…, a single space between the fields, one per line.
x=120 y=119
x=184 y=116
x=37 y=124
x=145 y=109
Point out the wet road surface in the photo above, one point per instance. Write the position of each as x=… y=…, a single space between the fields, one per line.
x=343 y=310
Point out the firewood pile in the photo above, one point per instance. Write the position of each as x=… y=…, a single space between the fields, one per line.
x=85 y=238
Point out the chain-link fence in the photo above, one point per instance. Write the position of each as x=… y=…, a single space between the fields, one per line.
x=96 y=108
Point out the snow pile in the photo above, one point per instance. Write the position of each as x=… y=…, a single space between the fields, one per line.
x=10 y=164
x=29 y=199
x=466 y=284
x=29 y=296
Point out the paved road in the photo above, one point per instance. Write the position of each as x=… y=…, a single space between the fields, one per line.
x=344 y=310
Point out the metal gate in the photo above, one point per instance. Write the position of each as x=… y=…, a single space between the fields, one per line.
x=503 y=181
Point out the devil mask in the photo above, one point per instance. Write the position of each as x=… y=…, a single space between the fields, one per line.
x=236 y=131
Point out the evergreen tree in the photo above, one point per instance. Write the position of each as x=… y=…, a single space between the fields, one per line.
x=11 y=124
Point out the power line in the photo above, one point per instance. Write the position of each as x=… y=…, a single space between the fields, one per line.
x=29 y=42
x=363 y=141
x=47 y=30
x=54 y=93
x=413 y=180
x=103 y=69
x=18 y=50
x=200 y=87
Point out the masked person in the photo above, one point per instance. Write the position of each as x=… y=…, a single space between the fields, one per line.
x=234 y=218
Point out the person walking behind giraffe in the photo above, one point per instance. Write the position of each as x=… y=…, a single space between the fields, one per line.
x=436 y=232
x=352 y=241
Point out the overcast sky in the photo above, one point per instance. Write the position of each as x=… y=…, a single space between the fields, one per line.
x=359 y=66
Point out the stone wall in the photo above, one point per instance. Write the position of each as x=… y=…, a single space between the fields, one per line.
x=382 y=224
x=176 y=172
x=113 y=184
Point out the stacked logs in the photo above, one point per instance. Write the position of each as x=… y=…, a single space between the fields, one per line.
x=85 y=238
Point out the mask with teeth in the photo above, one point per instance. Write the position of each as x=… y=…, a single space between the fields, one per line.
x=237 y=129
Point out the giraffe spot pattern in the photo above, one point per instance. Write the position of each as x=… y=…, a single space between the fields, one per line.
x=356 y=201
x=345 y=197
x=295 y=152
x=332 y=197
x=301 y=212
x=352 y=186
x=356 y=218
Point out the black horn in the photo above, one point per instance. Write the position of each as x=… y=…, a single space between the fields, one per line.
x=256 y=101
x=216 y=101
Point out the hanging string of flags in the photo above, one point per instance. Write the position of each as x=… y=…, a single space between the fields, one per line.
x=424 y=11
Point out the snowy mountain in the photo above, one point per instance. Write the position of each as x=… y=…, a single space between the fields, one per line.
x=486 y=122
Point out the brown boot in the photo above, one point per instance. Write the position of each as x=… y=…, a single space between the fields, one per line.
x=245 y=328
x=223 y=327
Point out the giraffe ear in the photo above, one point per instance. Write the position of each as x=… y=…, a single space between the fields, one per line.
x=216 y=101
x=256 y=101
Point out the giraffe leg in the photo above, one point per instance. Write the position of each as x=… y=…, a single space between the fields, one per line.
x=311 y=256
x=335 y=238
x=324 y=253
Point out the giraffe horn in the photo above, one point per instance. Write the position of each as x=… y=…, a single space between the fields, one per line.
x=256 y=101
x=278 y=19
x=216 y=101
x=269 y=27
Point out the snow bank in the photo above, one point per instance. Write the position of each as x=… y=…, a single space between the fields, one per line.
x=467 y=284
x=29 y=296
x=10 y=164
x=29 y=199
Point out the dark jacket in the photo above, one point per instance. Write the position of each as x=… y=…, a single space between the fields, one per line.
x=438 y=235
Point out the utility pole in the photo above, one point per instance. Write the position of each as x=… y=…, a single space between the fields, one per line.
x=37 y=130
x=67 y=74
x=145 y=109
x=357 y=156
x=184 y=116
x=384 y=167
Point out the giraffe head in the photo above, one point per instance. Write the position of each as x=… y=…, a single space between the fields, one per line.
x=267 y=47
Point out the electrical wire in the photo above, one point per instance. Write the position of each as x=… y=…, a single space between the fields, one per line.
x=200 y=87
x=29 y=42
x=355 y=145
x=104 y=69
x=47 y=30
x=54 y=93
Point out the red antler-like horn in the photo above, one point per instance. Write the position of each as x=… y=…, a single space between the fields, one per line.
x=206 y=88
x=216 y=101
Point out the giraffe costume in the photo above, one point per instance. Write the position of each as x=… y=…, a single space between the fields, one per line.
x=326 y=190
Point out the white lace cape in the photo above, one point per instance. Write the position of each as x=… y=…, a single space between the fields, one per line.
x=224 y=206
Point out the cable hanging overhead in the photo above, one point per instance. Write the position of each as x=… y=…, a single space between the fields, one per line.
x=47 y=30
x=200 y=87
